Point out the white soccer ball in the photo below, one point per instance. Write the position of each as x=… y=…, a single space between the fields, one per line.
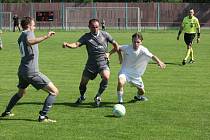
x=119 y=110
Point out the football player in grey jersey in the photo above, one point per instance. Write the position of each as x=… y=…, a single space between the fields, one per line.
x=28 y=72
x=96 y=42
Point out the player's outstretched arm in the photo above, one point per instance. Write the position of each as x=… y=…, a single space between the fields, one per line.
x=36 y=40
x=71 y=45
x=159 y=62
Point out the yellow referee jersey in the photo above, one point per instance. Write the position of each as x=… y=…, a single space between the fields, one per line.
x=190 y=25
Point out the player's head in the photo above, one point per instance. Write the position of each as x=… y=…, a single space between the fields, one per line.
x=27 y=23
x=94 y=26
x=191 y=12
x=137 y=39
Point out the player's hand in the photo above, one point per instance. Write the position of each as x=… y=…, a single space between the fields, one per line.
x=51 y=33
x=162 y=65
x=198 y=40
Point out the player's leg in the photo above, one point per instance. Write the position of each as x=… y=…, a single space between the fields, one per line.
x=105 y=74
x=41 y=81
x=50 y=99
x=188 y=38
x=23 y=84
x=192 y=56
x=120 y=85
x=13 y=101
x=140 y=89
x=191 y=49
x=82 y=88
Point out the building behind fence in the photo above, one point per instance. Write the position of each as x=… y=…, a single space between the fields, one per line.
x=137 y=16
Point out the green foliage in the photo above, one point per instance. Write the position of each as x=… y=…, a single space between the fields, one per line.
x=179 y=96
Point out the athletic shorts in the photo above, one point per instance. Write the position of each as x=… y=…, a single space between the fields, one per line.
x=92 y=70
x=188 y=38
x=136 y=82
x=38 y=81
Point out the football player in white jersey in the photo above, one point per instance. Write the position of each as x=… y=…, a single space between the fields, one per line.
x=134 y=59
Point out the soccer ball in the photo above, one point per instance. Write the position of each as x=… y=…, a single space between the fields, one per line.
x=119 y=110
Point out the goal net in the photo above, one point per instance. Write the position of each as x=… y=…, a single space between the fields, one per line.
x=114 y=17
x=6 y=21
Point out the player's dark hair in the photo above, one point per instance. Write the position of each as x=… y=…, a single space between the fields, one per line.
x=25 y=21
x=93 y=20
x=137 y=35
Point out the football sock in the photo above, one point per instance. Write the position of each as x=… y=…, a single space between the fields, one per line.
x=13 y=101
x=191 y=53
x=103 y=86
x=188 y=54
x=120 y=96
x=82 y=89
x=47 y=104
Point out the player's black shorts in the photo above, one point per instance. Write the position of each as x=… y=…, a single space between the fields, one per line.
x=38 y=81
x=92 y=70
x=188 y=38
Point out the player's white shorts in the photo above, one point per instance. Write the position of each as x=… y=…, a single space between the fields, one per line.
x=137 y=81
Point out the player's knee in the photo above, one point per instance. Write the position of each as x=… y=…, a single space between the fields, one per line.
x=54 y=92
x=21 y=92
x=121 y=82
x=105 y=77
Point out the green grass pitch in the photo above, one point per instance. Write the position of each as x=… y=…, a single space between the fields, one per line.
x=179 y=96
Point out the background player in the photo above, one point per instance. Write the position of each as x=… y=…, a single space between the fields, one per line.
x=190 y=25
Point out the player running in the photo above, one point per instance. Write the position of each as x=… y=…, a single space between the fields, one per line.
x=96 y=42
x=134 y=60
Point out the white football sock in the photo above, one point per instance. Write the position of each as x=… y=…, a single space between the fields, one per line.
x=120 y=96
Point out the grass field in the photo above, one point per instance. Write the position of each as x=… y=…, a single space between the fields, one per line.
x=179 y=96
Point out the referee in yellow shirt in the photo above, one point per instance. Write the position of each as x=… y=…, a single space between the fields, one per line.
x=191 y=26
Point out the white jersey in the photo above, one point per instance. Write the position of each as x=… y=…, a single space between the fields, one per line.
x=134 y=61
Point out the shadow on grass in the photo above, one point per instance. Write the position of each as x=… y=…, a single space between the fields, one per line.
x=168 y=63
x=83 y=105
x=13 y=119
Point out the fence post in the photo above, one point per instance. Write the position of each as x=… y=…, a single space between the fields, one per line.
x=126 y=15
x=158 y=16
x=62 y=14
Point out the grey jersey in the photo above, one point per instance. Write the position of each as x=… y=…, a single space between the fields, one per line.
x=96 y=45
x=29 y=55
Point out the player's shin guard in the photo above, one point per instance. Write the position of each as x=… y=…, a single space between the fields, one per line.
x=82 y=89
x=47 y=104
x=103 y=86
x=13 y=102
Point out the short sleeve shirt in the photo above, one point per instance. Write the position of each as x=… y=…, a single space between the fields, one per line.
x=135 y=61
x=29 y=55
x=190 y=25
x=96 y=45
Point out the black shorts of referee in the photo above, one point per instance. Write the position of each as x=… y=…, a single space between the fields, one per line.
x=188 y=38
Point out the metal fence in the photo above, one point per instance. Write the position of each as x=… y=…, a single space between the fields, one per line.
x=151 y=15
